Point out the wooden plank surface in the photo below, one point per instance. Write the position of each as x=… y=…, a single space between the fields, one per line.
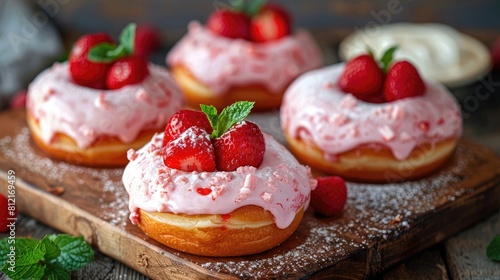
x=362 y=242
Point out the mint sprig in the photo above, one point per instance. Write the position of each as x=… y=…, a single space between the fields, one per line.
x=493 y=249
x=387 y=58
x=53 y=257
x=107 y=52
x=250 y=8
x=230 y=115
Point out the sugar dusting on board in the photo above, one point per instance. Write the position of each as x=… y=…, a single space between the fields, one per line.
x=374 y=213
x=111 y=194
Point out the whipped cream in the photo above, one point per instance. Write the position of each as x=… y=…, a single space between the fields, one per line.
x=280 y=185
x=438 y=51
x=221 y=63
x=316 y=110
x=84 y=114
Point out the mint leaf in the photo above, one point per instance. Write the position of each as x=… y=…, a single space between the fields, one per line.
x=253 y=7
x=127 y=38
x=99 y=53
x=211 y=113
x=228 y=117
x=236 y=5
x=49 y=248
x=75 y=252
x=56 y=272
x=387 y=58
x=11 y=246
x=493 y=249
x=28 y=265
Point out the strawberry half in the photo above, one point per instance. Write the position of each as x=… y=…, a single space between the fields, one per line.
x=4 y=214
x=191 y=151
x=231 y=24
x=83 y=71
x=127 y=71
x=271 y=23
x=362 y=77
x=181 y=121
x=330 y=196
x=242 y=145
x=403 y=81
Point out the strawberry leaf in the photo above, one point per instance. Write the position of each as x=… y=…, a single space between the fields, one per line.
x=493 y=249
x=228 y=117
x=387 y=57
x=127 y=38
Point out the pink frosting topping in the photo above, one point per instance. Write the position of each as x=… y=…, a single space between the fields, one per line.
x=84 y=113
x=317 y=111
x=280 y=185
x=220 y=63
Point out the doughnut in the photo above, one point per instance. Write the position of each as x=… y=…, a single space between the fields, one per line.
x=240 y=212
x=336 y=133
x=217 y=70
x=91 y=127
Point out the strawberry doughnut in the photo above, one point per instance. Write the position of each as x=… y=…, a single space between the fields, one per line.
x=373 y=140
x=181 y=200
x=105 y=100
x=219 y=65
x=86 y=126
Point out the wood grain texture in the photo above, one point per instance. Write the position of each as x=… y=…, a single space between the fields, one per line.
x=381 y=226
x=428 y=265
x=466 y=252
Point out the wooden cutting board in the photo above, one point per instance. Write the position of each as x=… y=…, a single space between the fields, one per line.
x=382 y=224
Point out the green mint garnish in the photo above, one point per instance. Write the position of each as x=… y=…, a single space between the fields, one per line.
x=250 y=8
x=493 y=250
x=107 y=53
x=387 y=57
x=228 y=117
x=53 y=257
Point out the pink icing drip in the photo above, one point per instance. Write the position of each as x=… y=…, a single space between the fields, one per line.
x=229 y=190
x=401 y=125
x=122 y=113
x=221 y=63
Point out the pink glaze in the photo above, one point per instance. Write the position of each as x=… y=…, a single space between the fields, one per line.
x=220 y=63
x=317 y=111
x=84 y=113
x=280 y=185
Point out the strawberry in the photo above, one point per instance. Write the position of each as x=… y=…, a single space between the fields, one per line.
x=83 y=71
x=5 y=213
x=330 y=195
x=191 y=151
x=362 y=77
x=181 y=121
x=242 y=145
x=403 y=81
x=126 y=71
x=146 y=40
x=271 y=22
x=231 y=24
x=18 y=101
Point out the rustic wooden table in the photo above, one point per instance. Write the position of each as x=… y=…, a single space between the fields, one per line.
x=460 y=257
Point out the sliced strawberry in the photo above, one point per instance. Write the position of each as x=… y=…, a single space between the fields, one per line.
x=181 y=121
x=271 y=23
x=330 y=196
x=403 y=81
x=191 y=151
x=362 y=77
x=229 y=24
x=83 y=71
x=127 y=71
x=242 y=145
x=146 y=40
